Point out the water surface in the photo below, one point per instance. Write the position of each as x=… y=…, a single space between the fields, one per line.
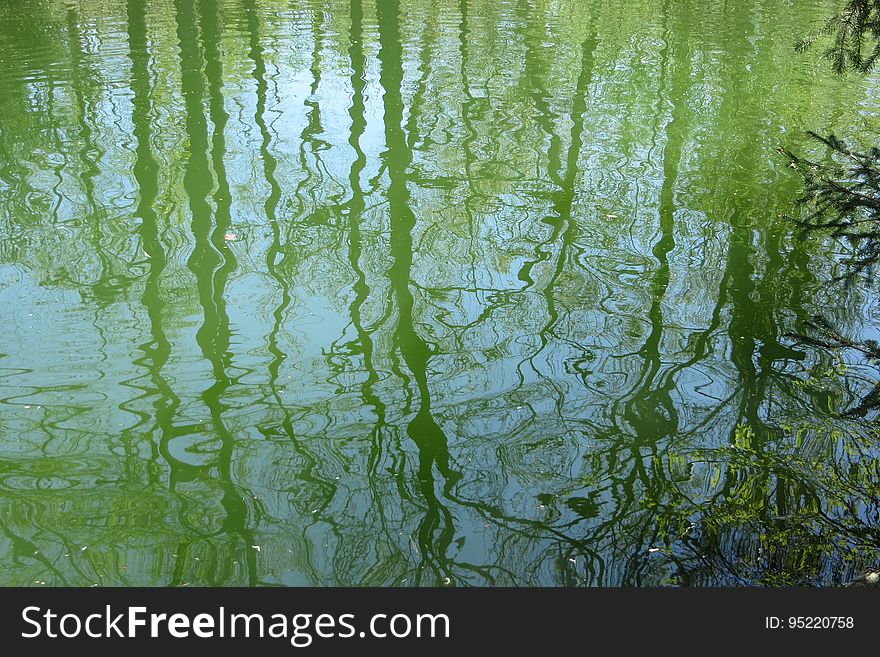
x=408 y=292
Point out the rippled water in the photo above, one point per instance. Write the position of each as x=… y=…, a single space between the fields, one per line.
x=380 y=292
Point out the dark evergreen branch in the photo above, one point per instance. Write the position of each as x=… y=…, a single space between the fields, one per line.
x=842 y=198
x=852 y=31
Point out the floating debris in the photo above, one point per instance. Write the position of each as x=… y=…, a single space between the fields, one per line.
x=446 y=581
x=256 y=547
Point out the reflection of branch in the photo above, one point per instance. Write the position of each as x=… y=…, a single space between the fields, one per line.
x=869 y=348
x=423 y=429
x=832 y=339
x=843 y=199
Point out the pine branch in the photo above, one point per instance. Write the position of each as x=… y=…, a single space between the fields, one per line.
x=852 y=31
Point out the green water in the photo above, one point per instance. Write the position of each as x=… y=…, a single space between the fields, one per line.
x=423 y=293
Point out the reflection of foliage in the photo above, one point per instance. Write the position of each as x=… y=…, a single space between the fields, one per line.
x=803 y=511
x=824 y=335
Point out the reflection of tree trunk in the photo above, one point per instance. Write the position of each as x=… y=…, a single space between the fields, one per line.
x=323 y=490
x=752 y=330
x=563 y=233
x=649 y=410
x=564 y=225
x=537 y=73
x=754 y=346
x=108 y=286
x=467 y=118
x=357 y=203
x=343 y=355
x=270 y=207
x=102 y=289
x=354 y=211
x=63 y=163
x=211 y=260
x=309 y=135
x=216 y=345
x=146 y=175
x=423 y=429
x=12 y=170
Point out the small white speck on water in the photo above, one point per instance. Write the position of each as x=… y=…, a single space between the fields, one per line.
x=84 y=548
x=256 y=547
x=447 y=581
x=571 y=560
x=653 y=549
